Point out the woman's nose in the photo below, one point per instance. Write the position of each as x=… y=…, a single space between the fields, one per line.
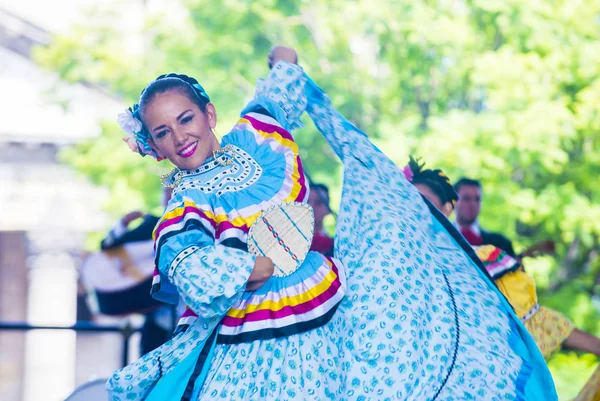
x=180 y=137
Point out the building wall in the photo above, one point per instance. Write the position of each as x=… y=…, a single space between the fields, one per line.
x=13 y=307
x=46 y=213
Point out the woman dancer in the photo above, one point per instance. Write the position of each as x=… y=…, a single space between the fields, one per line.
x=395 y=324
x=550 y=329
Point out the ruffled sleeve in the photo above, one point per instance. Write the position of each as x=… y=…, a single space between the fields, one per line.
x=209 y=278
x=212 y=278
x=282 y=95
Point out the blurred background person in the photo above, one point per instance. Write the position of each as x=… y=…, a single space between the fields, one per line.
x=550 y=329
x=159 y=319
x=319 y=201
x=468 y=208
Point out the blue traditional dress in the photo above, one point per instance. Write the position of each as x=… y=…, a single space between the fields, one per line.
x=405 y=312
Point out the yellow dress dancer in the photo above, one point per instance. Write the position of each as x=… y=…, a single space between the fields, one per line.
x=550 y=329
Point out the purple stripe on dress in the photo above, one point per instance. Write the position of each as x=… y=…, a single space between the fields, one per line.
x=268 y=314
x=187 y=210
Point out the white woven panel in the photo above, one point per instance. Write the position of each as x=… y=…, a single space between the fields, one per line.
x=283 y=233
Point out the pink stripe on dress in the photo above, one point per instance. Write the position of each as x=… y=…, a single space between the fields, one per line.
x=302 y=181
x=188 y=313
x=226 y=225
x=267 y=314
x=268 y=128
x=504 y=264
x=175 y=220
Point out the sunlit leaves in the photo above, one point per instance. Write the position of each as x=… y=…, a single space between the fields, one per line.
x=504 y=91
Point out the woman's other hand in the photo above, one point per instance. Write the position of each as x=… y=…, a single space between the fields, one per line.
x=263 y=270
x=282 y=53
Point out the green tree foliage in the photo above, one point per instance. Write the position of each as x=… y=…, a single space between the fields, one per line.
x=504 y=91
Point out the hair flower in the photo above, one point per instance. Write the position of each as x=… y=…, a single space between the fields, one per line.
x=128 y=123
x=408 y=173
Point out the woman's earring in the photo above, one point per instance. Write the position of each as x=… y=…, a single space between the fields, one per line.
x=214 y=131
x=228 y=151
x=171 y=179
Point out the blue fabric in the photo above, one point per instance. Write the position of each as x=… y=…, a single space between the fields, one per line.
x=459 y=338
x=534 y=374
x=172 y=386
x=419 y=320
x=168 y=292
x=202 y=377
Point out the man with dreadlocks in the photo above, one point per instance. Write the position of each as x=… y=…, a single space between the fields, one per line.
x=550 y=329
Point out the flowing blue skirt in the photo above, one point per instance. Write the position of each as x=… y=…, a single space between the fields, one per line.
x=420 y=320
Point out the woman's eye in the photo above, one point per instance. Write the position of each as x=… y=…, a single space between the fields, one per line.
x=162 y=133
x=186 y=119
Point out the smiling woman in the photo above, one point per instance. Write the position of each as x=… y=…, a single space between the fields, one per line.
x=180 y=119
x=390 y=317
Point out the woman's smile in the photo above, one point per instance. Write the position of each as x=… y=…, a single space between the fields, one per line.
x=188 y=150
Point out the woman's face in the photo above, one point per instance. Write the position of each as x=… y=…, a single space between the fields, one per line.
x=445 y=208
x=181 y=131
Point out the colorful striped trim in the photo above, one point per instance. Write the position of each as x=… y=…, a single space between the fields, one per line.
x=314 y=308
x=190 y=216
x=268 y=132
x=175 y=219
x=280 y=314
x=155 y=281
x=278 y=306
x=270 y=333
x=496 y=261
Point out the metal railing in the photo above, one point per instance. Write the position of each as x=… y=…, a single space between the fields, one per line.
x=126 y=330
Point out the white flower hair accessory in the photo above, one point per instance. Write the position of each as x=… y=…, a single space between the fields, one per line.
x=128 y=123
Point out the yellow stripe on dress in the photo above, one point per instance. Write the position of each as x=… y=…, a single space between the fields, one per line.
x=179 y=211
x=287 y=301
x=293 y=146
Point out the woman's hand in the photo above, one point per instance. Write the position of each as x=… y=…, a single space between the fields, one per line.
x=263 y=270
x=279 y=53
